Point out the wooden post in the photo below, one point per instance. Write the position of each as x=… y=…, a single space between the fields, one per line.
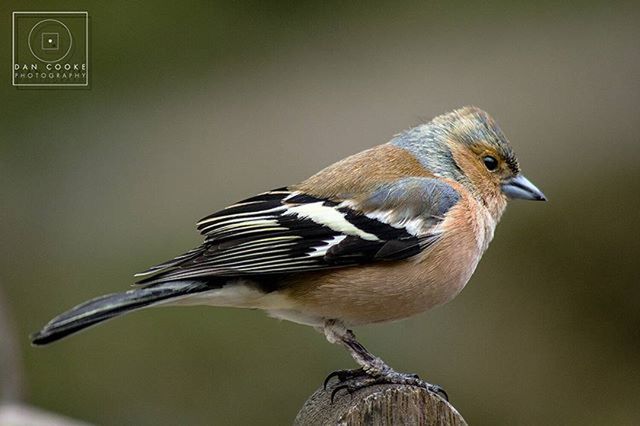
x=378 y=405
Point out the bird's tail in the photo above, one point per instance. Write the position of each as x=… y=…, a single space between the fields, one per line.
x=111 y=305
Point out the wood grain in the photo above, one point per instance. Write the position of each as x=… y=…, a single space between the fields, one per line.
x=378 y=405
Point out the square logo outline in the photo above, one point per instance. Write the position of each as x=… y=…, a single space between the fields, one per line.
x=56 y=37
x=15 y=14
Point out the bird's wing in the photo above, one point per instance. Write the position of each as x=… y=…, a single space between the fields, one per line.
x=287 y=231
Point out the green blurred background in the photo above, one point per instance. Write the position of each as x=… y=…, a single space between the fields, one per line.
x=194 y=105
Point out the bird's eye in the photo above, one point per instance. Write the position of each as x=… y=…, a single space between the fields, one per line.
x=490 y=162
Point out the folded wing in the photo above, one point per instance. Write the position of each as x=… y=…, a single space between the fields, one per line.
x=285 y=231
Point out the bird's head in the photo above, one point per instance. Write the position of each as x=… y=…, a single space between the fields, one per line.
x=466 y=145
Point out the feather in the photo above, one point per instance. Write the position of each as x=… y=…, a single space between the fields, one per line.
x=286 y=231
x=109 y=306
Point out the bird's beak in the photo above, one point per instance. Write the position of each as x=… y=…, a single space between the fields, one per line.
x=520 y=187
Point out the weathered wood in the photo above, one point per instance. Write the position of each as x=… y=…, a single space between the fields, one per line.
x=378 y=405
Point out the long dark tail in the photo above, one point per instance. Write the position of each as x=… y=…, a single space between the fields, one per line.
x=111 y=305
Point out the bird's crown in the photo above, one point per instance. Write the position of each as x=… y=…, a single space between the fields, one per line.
x=469 y=126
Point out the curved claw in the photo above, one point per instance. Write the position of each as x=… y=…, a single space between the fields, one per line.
x=352 y=381
x=338 y=389
x=439 y=391
x=342 y=376
x=326 y=381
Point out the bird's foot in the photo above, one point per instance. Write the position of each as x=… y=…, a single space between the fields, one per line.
x=374 y=370
x=354 y=380
x=344 y=376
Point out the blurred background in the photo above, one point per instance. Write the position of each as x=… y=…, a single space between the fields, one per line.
x=195 y=105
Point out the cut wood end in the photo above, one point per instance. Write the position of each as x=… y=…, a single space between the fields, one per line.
x=379 y=404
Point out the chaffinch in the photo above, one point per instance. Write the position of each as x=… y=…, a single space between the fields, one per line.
x=382 y=235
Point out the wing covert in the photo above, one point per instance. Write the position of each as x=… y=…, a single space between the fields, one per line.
x=285 y=231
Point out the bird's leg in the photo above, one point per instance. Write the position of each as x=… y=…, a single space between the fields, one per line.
x=373 y=369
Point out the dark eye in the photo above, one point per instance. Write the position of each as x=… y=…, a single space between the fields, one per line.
x=490 y=162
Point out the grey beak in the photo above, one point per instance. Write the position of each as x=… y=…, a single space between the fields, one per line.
x=520 y=187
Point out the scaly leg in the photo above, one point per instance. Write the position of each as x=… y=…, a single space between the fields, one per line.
x=373 y=370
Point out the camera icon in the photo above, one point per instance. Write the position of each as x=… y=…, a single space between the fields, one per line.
x=50 y=41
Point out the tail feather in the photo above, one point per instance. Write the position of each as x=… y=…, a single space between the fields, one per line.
x=111 y=305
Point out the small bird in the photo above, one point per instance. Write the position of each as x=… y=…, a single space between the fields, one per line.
x=379 y=236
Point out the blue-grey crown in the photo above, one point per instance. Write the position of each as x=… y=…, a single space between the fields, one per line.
x=468 y=125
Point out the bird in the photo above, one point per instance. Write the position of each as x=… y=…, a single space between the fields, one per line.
x=382 y=235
